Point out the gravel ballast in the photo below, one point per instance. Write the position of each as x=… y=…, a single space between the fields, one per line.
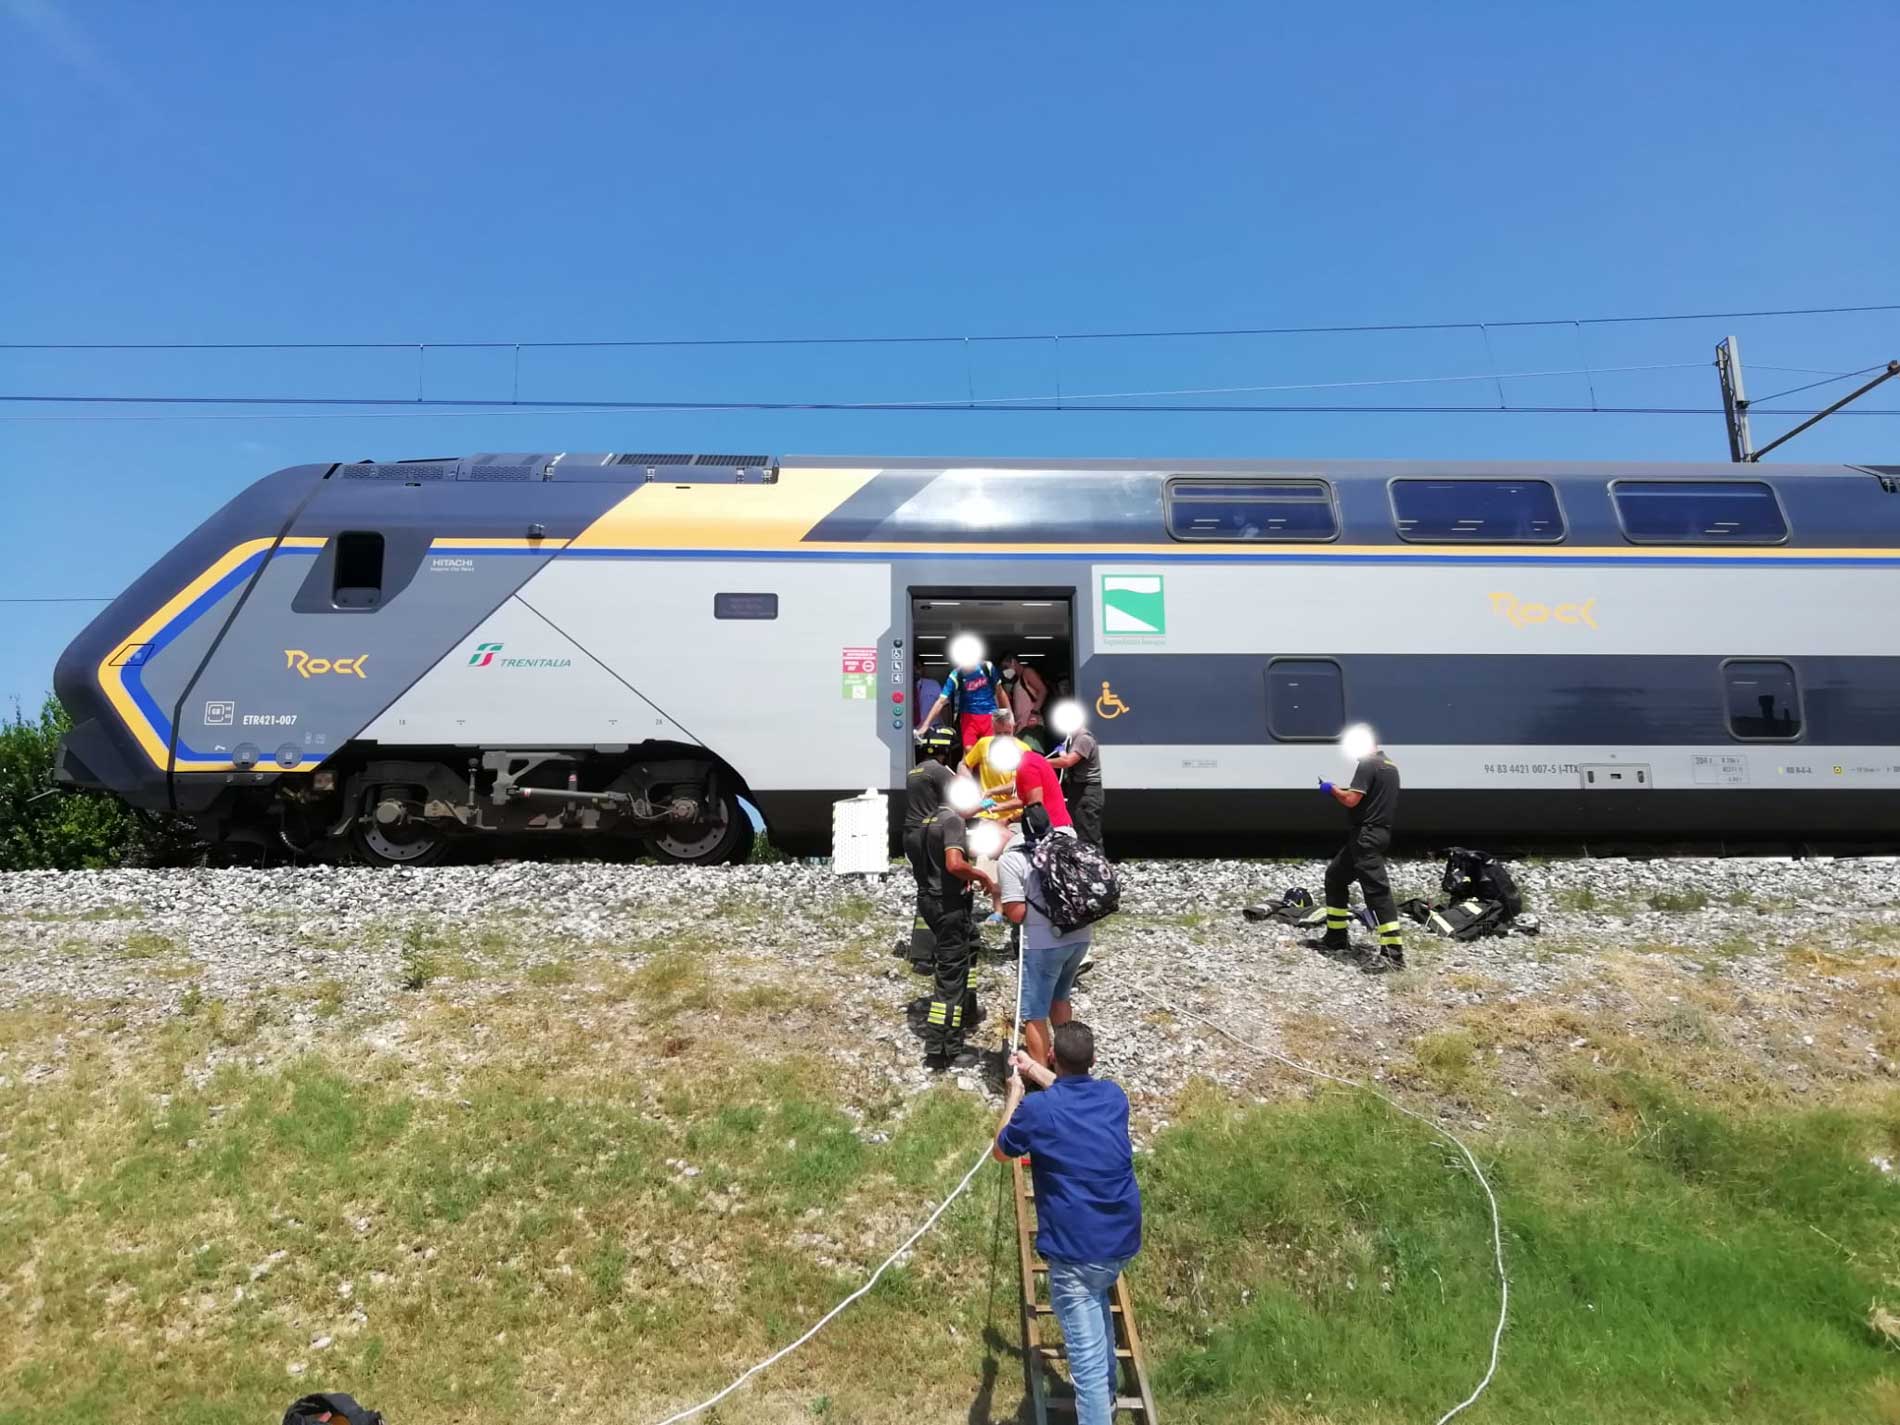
x=131 y=949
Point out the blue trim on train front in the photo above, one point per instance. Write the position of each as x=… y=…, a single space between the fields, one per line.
x=133 y=678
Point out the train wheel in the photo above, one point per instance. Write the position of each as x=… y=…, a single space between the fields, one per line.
x=726 y=836
x=411 y=844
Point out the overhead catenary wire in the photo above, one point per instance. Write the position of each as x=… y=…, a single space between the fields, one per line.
x=1151 y=334
x=444 y=406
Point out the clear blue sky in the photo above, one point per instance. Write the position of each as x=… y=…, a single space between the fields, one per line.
x=232 y=172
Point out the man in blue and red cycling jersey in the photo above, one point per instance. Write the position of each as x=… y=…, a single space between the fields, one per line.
x=971 y=689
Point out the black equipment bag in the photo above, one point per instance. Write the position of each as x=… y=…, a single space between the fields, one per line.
x=1468 y=919
x=1478 y=875
x=1295 y=908
x=1079 y=882
x=333 y=1406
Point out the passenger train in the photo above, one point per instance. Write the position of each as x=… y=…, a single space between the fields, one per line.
x=394 y=658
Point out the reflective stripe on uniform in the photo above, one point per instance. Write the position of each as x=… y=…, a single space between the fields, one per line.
x=1389 y=933
x=939 y=1012
x=1336 y=918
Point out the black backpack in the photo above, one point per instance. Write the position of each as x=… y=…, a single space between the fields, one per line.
x=1478 y=875
x=1079 y=882
x=333 y=1406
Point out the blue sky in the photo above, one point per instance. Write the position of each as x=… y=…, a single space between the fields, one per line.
x=229 y=172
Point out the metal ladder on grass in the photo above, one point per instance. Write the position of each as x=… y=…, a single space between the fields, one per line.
x=1132 y=1393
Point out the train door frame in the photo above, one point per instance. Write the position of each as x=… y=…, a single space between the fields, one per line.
x=1062 y=596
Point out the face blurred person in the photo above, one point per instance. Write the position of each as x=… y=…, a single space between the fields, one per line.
x=1079 y=760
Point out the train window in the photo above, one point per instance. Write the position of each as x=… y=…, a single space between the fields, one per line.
x=357 y=580
x=745 y=606
x=1306 y=699
x=1482 y=511
x=1245 y=510
x=1763 y=701
x=1699 y=512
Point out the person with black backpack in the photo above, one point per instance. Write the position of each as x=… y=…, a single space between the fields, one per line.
x=1371 y=801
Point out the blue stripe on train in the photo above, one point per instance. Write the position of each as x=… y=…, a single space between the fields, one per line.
x=132 y=676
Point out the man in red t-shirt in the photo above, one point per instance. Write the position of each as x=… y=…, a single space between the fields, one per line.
x=1037 y=785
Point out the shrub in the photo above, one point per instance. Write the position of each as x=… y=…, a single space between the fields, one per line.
x=42 y=828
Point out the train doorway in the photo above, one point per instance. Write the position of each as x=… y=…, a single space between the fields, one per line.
x=1037 y=627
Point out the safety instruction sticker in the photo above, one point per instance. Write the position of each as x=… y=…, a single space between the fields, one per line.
x=860 y=674
x=1133 y=605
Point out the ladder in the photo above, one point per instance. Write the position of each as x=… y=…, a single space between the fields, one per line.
x=1132 y=1392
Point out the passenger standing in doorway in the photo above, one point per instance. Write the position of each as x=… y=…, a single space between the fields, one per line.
x=950 y=875
x=929 y=689
x=1079 y=759
x=924 y=794
x=1027 y=693
x=1371 y=801
x=970 y=691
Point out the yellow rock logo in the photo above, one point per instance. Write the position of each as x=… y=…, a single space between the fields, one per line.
x=1520 y=613
x=308 y=667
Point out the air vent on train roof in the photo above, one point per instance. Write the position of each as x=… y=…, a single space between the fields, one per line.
x=402 y=473
x=731 y=462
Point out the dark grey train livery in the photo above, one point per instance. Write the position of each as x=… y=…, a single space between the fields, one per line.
x=399 y=656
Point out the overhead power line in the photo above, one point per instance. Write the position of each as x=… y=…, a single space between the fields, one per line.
x=952 y=337
x=1024 y=404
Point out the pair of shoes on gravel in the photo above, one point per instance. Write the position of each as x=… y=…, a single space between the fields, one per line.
x=942 y=1063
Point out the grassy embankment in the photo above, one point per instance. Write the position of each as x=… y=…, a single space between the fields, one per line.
x=485 y=1211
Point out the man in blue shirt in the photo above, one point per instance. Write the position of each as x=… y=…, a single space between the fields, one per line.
x=1088 y=1209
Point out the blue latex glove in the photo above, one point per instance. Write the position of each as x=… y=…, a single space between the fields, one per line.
x=987 y=804
x=1326 y=786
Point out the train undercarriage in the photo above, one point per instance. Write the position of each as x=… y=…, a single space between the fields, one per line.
x=417 y=806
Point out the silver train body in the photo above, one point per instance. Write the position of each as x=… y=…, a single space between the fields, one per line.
x=401 y=657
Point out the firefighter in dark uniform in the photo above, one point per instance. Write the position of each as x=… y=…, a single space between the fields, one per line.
x=950 y=873
x=924 y=793
x=1370 y=800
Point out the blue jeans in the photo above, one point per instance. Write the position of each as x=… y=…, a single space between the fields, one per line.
x=1079 y=1292
x=1049 y=975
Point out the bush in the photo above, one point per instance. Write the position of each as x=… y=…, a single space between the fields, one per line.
x=42 y=828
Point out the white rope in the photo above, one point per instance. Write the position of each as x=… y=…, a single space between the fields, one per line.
x=1015 y=1037
x=1497 y=1229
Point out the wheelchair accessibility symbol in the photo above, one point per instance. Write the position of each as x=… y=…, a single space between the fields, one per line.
x=1109 y=706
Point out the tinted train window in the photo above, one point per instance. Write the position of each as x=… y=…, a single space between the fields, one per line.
x=1306 y=699
x=745 y=605
x=357 y=582
x=1762 y=699
x=1483 y=511
x=1251 y=509
x=1699 y=512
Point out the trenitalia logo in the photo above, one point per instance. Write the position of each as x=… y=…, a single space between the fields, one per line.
x=308 y=667
x=488 y=655
x=1519 y=613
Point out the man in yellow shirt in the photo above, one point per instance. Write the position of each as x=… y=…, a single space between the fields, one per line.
x=996 y=785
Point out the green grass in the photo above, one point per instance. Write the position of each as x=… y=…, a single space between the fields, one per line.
x=621 y=1201
x=1673 y=1270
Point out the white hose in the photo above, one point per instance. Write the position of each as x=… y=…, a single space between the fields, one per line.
x=1015 y=1037
x=1497 y=1227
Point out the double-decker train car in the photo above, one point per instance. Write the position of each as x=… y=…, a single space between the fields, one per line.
x=397 y=657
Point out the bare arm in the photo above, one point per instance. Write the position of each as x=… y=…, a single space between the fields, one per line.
x=959 y=866
x=935 y=708
x=1347 y=797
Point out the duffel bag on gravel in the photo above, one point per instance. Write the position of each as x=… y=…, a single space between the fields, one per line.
x=332 y=1406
